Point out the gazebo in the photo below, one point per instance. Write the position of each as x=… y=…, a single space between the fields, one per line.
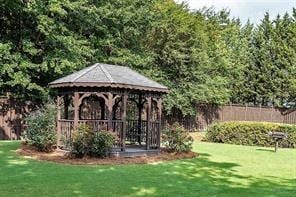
x=114 y=98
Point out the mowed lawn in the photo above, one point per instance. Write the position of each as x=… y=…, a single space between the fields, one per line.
x=220 y=170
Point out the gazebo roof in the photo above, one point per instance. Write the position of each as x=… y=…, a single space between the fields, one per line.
x=105 y=75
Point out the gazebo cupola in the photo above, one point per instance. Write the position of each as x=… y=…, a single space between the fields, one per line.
x=110 y=97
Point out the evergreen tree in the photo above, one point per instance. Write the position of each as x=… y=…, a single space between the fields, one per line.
x=203 y=56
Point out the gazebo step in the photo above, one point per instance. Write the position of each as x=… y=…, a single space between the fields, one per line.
x=135 y=152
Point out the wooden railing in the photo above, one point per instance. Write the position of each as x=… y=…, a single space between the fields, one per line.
x=154 y=135
x=67 y=127
x=133 y=134
x=95 y=125
x=65 y=136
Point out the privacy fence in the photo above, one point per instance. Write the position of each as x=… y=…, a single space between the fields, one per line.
x=12 y=115
x=209 y=114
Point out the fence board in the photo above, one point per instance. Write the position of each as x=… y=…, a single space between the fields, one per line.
x=209 y=114
x=12 y=113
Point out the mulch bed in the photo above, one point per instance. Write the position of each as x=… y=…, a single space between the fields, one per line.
x=62 y=157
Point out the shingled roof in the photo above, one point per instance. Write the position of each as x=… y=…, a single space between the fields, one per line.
x=105 y=75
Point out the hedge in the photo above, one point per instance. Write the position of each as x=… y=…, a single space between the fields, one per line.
x=250 y=133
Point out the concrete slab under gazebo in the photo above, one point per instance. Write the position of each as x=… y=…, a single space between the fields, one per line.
x=115 y=98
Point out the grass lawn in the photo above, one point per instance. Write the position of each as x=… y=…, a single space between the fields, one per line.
x=220 y=170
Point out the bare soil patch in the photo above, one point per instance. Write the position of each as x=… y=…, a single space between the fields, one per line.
x=63 y=157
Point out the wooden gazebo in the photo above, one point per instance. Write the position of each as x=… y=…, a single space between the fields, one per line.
x=110 y=97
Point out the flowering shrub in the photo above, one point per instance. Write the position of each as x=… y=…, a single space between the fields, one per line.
x=176 y=139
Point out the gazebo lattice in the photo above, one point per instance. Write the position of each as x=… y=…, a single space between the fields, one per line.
x=110 y=97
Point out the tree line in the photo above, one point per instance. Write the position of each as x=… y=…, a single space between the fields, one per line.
x=203 y=56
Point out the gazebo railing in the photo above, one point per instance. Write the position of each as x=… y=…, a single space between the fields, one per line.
x=132 y=132
x=65 y=136
x=134 y=136
x=154 y=134
x=67 y=127
x=95 y=125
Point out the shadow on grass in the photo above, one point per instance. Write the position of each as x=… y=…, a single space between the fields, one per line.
x=200 y=176
x=266 y=150
x=204 y=177
x=8 y=158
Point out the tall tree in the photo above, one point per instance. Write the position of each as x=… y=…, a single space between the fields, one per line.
x=269 y=76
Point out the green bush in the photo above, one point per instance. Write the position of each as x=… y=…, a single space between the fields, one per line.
x=102 y=143
x=250 y=133
x=86 y=142
x=82 y=140
x=176 y=139
x=41 y=128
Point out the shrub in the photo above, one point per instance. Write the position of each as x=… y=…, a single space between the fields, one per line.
x=41 y=128
x=250 y=133
x=177 y=139
x=82 y=140
x=86 y=142
x=102 y=143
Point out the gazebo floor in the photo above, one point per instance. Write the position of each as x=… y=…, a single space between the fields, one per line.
x=134 y=151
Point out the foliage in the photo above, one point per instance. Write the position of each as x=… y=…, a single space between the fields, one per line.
x=41 y=128
x=176 y=139
x=203 y=56
x=86 y=142
x=102 y=143
x=270 y=74
x=250 y=133
x=82 y=140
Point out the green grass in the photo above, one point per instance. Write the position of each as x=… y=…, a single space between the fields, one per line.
x=220 y=170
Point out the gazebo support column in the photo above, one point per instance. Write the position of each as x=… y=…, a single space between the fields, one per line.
x=140 y=109
x=58 y=106
x=149 y=116
x=66 y=106
x=76 y=109
x=159 y=107
x=110 y=104
x=110 y=109
x=102 y=105
x=123 y=117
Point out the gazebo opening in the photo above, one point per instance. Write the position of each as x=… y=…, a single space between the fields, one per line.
x=114 y=98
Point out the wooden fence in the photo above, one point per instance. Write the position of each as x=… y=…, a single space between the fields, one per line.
x=209 y=114
x=12 y=113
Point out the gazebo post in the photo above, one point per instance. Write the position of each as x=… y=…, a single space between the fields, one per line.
x=66 y=106
x=124 y=123
x=110 y=110
x=149 y=103
x=76 y=108
x=58 y=106
x=102 y=105
x=159 y=106
x=140 y=109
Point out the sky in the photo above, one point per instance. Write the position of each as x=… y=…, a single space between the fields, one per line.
x=246 y=9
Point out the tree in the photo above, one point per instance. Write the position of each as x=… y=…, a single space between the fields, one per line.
x=271 y=72
x=203 y=56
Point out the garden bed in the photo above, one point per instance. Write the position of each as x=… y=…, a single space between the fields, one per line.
x=62 y=157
